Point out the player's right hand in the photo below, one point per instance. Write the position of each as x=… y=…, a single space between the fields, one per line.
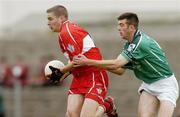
x=56 y=75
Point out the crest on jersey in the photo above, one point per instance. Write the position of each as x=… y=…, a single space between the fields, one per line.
x=99 y=91
x=131 y=47
x=70 y=48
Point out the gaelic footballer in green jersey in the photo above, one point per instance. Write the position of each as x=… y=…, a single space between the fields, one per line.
x=159 y=90
x=148 y=61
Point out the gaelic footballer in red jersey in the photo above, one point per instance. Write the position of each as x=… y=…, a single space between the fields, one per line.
x=89 y=85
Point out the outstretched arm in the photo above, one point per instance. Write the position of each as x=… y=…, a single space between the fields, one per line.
x=113 y=64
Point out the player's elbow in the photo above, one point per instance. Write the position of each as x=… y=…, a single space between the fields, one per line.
x=112 y=67
x=115 y=64
x=121 y=71
x=116 y=67
x=118 y=71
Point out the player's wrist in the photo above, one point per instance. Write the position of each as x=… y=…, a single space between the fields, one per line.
x=89 y=62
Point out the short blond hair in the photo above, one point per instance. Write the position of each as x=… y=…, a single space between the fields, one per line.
x=58 y=10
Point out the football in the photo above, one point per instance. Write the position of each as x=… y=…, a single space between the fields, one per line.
x=54 y=63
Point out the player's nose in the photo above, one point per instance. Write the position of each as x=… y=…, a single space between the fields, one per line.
x=48 y=23
x=118 y=27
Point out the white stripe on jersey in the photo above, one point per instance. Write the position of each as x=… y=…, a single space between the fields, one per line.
x=156 y=56
x=138 y=43
x=157 y=44
x=101 y=98
x=87 y=44
x=65 y=53
x=153 y=67
x=61 y=42
x=71 y=92
x=103 y=81
x=93 y=83
x=70 y=33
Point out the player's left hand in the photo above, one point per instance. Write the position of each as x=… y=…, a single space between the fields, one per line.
x=79 y=60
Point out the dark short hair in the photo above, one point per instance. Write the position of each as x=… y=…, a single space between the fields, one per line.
x=131 y=18
x=58 y=10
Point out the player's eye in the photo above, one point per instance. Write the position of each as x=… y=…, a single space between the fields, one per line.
x=121 y=25
x=50 y=19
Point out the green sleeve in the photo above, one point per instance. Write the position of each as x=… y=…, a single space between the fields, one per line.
x=126 y=55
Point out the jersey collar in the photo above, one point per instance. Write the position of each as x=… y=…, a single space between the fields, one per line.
x=136 y=35
x=65 y=21
x=63 y=24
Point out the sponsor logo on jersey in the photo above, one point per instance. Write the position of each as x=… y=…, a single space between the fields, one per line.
x=131 y=47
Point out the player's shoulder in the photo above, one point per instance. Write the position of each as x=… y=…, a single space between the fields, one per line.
x=77 y=29
x=73 y=24
x=143 y=38
x=69 y=26
x=143 y=42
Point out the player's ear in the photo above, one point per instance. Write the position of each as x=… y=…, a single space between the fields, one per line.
x=131 y=27
x=62 y=18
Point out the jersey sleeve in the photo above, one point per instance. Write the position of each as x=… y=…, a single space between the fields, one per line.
x=87 y=44
x=76 y=41
x=125 y=53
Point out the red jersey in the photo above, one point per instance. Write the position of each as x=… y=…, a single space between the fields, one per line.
x=87 y=80
x=74 y=40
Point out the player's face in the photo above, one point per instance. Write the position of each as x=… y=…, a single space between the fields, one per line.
x=54 y=22
x=124 y=29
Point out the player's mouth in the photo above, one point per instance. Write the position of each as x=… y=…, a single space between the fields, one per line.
x=51 y=27
x=120 y=33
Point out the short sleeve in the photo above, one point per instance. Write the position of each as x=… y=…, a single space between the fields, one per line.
x=126 y=55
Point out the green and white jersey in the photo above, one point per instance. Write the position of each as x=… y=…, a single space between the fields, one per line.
x=146 y=58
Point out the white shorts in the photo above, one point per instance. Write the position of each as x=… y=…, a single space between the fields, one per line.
x=165 y=89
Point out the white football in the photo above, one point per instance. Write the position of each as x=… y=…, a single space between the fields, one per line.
x=54 y=63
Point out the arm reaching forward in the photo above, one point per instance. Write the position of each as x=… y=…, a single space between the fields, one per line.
x=113 y=65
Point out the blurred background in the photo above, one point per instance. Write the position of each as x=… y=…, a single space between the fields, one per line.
x=26 y=45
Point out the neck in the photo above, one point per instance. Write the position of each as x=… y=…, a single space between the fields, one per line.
x=131 y=36
x=62 y=22
x=65 y=21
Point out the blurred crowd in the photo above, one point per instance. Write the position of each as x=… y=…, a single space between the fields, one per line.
x=20 y=71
